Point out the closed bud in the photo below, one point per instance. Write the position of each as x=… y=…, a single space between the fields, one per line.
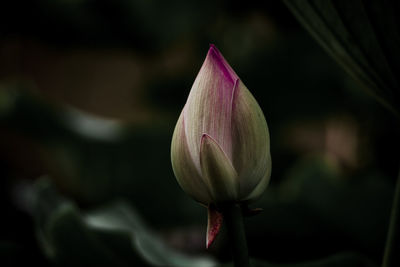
x=220 y=146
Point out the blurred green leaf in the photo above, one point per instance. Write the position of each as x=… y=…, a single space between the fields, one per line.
x=112 y=236
x=120 y=217
x=116 y=236
x=362 y=36
x=95 y=160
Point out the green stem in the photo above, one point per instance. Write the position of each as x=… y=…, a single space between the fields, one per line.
x=233 y=218
x=392 y=257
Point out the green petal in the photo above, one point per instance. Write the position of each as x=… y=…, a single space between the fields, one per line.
x=261 y=186
x=217 y=171
x=185 y=171
x=251 y=147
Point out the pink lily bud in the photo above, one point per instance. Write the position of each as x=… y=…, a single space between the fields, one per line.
x=220 y=146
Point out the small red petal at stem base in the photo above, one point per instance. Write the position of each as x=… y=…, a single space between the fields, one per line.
x=214 y=224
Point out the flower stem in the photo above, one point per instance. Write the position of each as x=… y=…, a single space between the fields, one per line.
x=233 y=218
x=391 y=257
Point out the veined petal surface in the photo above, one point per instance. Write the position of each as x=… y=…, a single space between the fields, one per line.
x=217 y=171
x=187 y=175
x=209 y=105
x=220 y=149
x=251 y=147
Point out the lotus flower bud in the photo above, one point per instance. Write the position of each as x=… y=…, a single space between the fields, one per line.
x=220 y=146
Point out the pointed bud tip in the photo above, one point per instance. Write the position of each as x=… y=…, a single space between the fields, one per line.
x=215 y=56
x=214 y=50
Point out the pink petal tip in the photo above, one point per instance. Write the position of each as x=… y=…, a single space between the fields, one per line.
x=217 y=58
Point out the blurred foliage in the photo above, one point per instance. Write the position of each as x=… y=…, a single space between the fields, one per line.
x=116 y=235
x=362 y=36
x=111 y=236
x=90 y=92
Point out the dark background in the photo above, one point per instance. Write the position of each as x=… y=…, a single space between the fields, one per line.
x=90 y=92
